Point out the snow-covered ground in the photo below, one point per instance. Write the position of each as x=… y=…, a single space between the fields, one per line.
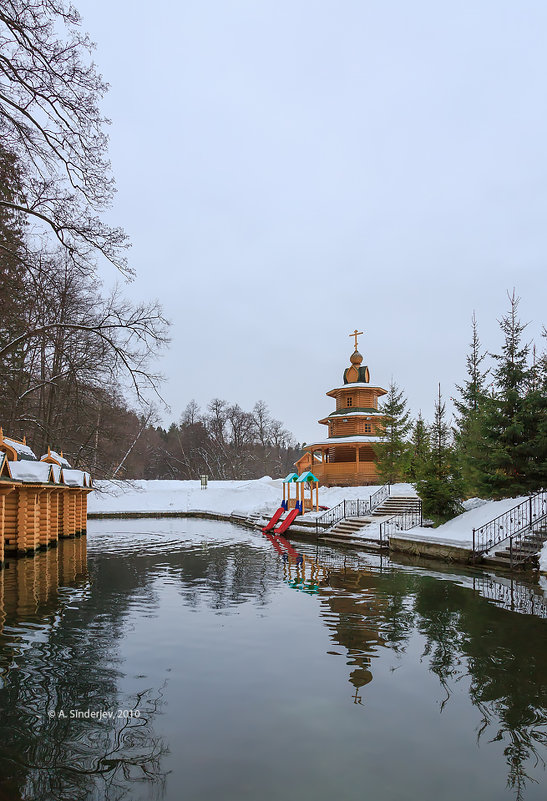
x=543 y=559
x=459 y=530
x=263 y=495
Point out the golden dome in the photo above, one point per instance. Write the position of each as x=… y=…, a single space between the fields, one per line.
x=356 y=357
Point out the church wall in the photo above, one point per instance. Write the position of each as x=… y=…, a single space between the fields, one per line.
x=363 y=398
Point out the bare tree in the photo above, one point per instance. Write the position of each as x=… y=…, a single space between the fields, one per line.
x=51 y=122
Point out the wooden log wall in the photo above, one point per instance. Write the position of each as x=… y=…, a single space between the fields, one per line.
x=34 y=517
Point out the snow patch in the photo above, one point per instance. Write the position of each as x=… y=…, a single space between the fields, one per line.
x=543 y=562
x=30 y=472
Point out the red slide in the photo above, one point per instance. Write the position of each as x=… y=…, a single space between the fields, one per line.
x=289 y=520
x=274 y=520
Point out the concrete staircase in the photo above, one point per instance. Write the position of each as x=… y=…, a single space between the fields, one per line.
x=397 y=504
x=353 y=530
x=523 y=551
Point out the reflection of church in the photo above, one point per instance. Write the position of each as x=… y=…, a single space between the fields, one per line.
x=353 y=619
x=346 y=456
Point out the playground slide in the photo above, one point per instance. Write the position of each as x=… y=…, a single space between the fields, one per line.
x=274 y=519
x=289 y=520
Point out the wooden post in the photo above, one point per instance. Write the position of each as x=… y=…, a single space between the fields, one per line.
x=83 y=518
x=2 y=515
x=33 y=535
x=54 y=516
x=44 y=514
x=22 y=521
x=10 y=519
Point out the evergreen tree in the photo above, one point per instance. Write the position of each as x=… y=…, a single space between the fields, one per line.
x=419 y=449
x=392 y=454
x=512 y=416
x=534 y=415
x=470 y=407
x=440 y=487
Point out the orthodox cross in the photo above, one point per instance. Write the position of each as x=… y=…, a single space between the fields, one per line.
x=355 y=334
x=356 y=698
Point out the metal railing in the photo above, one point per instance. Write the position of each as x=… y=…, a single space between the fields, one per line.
x=511 y=595
x=379 y=496
x=510 y=525
x=400 y=522
x=351 y=508
x=526 y=544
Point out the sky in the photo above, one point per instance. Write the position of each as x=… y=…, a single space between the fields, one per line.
x=289 y=171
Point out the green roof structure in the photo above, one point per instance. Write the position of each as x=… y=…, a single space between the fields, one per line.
x=291 y=478
x=307 y=477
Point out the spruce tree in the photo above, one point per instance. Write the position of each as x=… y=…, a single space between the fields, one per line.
x=511 y=416
x=440 y=486
x=419 y=449
x=470 y=407
x=534 y=413
x=392 y=454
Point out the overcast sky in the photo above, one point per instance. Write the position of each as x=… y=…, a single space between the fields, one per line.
x=288 y=171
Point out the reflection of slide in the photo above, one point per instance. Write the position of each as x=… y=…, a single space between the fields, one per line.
x=274 y=519
x=289 y=520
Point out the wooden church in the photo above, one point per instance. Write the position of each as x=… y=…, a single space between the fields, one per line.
x=346 y=456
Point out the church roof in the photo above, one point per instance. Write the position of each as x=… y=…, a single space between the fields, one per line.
x=357 y=439
x=359 y=411
x=357 y=385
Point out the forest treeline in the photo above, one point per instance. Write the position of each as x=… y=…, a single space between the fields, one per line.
x=494 y=446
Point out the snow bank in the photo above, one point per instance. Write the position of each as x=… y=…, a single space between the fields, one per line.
x=263 y=495
x=543 y=559
x=459 y=530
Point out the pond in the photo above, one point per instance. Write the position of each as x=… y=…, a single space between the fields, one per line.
x=194 y=660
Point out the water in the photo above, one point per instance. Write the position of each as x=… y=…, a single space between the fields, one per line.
x=192 y=660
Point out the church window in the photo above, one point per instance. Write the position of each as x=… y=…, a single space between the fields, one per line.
x=349 y=402
x=368 y=428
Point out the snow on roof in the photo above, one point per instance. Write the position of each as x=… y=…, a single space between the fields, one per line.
x=358 y=438
x=57 y=457
x=20 y=449
x=356 y=385
x=30 y=472
x=74 y=478
x=342 y=413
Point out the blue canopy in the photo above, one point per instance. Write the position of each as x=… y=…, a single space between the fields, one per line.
x=290 y=478
x=307 y=476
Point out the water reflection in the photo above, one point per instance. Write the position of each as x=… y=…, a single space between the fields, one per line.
x=59 y=670
x=183 y=627
x=369 y=604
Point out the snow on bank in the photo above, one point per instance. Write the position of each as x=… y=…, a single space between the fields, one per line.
x=543 y=559
x=263 y=495
x=459 y=530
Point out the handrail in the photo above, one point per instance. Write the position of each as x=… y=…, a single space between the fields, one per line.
x=352 y=508
x=403 y=521
x=379 y=496
x=509 y=524
x=516 y=541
